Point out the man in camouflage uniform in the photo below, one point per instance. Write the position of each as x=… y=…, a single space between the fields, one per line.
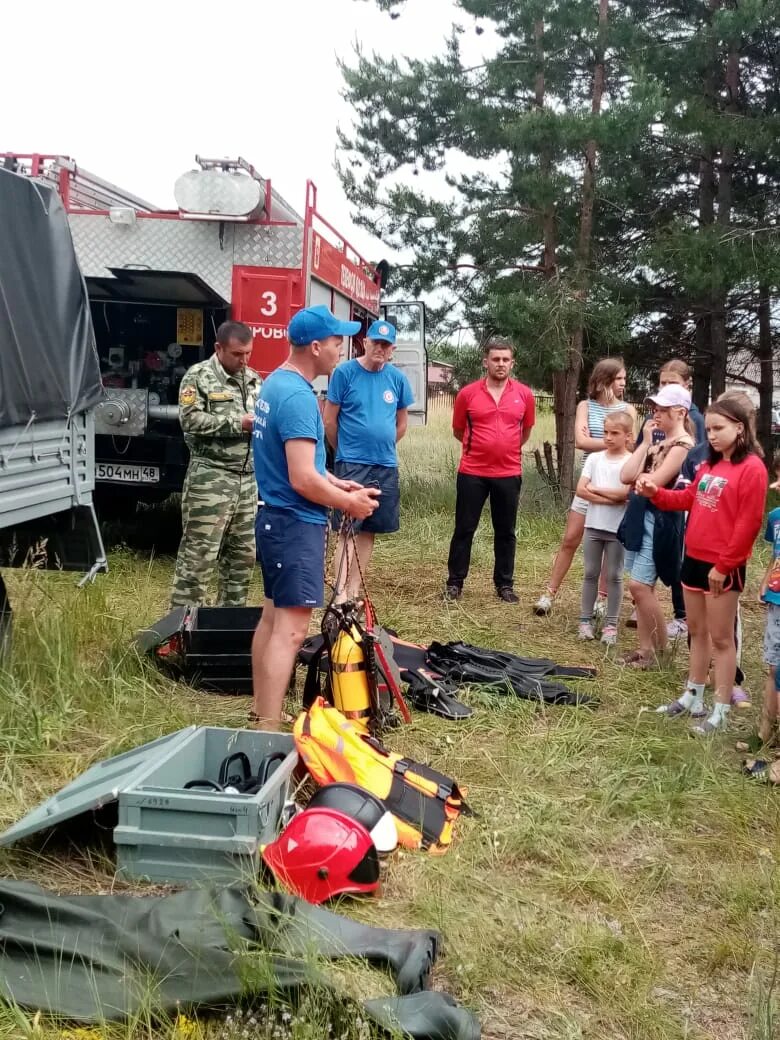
x=219 y=500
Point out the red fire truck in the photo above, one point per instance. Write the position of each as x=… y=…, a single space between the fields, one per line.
x=161 y=281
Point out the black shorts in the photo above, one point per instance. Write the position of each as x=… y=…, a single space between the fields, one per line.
x=695 y=575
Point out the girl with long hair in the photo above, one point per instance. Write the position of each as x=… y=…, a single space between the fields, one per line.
x=663 y=460
x=676 y=371
x=725 y=505
x=606 y=387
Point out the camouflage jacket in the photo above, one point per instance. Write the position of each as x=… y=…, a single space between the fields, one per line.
x=211 y=404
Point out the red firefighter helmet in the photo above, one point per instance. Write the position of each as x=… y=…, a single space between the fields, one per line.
x=323 y=853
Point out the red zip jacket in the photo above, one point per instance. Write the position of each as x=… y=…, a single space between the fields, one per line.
x=493 y=433
x=726 y=510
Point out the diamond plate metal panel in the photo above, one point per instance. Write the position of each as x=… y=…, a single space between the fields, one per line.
x=268 y=246
x=130 y=420
x=183 y=245
x=161 y=245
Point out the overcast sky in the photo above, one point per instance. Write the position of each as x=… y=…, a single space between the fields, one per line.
x=132 y=91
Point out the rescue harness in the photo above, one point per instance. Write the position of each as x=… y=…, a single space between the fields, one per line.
x=424 y=802
x=355 y=656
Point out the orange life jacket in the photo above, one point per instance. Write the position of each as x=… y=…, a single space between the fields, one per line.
x=424 y=802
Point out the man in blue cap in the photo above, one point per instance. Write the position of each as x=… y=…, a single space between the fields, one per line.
x=289 y=454
x=365 y=417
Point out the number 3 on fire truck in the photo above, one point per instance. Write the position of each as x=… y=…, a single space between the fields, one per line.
x=270 y=304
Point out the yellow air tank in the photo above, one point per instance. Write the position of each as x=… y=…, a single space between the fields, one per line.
x=349 y=681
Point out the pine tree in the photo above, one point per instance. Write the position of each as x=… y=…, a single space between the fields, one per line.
x=711 y=250
x=518 y=243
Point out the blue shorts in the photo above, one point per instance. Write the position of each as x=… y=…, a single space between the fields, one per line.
x=772 y=635
x=291 y=553
x=386 y=518
x=640 y=565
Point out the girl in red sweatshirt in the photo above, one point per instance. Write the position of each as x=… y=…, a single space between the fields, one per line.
x=725 y=502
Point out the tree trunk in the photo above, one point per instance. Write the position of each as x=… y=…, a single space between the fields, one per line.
x=549 y=257
x=565 y=383
x=701 y=362
x=765 y=359
x=564 y=394
x=707 y=190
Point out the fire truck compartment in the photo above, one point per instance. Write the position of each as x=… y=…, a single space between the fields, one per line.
x=150 y=327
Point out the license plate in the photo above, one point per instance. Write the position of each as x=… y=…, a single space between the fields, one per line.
x=127 y=473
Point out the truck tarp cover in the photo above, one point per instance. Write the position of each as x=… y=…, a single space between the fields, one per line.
x=48 y=360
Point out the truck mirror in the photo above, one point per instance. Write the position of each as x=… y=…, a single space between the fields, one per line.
x=383 y=270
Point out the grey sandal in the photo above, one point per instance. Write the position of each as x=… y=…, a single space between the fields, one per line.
x=677 y=708
x=704 y=729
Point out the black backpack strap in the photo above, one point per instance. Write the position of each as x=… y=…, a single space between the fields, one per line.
x=312 y=687
x=423 y=811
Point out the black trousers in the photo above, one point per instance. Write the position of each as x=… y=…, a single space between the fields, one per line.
x=472 y=492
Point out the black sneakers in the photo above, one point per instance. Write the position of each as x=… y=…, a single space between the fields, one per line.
x=506 y=593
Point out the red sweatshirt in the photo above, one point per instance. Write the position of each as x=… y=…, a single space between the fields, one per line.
x=726 y=507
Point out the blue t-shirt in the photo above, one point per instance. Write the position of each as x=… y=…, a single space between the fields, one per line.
x=368 y=402
x=772 y=535
x=286 y=410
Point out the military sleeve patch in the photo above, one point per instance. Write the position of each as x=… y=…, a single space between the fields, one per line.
x=187 y=395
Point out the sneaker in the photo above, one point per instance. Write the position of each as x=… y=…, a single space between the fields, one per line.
x=599 y=608
x=585 y=630
x=453 y=591
x=631 y=623
x=676 y=628
x=543 y=606
x=609 y=635
x=507 y=594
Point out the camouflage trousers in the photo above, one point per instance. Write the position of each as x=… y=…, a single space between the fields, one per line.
x=218 y=510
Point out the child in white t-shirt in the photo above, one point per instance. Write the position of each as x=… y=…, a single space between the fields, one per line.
x=601 y=487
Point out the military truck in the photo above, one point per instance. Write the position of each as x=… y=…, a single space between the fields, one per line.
x=49 y=387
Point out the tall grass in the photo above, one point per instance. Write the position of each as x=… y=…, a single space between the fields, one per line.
x=428 y=461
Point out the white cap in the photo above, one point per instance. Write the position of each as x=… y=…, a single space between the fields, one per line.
x=672 y=396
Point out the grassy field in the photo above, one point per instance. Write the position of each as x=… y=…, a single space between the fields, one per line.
x=620 y=881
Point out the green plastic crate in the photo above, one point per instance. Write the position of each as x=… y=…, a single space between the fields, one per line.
x=167 y=833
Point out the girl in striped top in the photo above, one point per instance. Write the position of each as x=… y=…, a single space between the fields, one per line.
x=606 y=386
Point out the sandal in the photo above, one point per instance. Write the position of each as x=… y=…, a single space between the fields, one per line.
x=676 y=708
x=630 y=658
x=740 y=699
x=253 y=718
x=755 y=768
x=643 y=664
x=704 y=729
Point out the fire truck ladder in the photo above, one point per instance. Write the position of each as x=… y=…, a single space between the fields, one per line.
x=79 y=189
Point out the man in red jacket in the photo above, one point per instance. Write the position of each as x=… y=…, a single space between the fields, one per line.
x=492 y=419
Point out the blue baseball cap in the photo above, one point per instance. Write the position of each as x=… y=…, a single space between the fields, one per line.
x=382 y=330
x=318 y=323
